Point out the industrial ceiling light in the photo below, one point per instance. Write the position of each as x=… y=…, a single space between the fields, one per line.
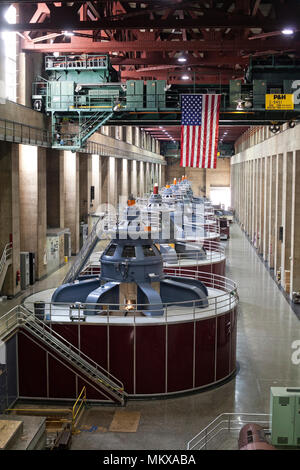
x=68 y=33
x=288 y=31
x=185 y=77
x=182 y=59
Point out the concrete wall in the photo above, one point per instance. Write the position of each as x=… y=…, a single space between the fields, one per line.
x=201 y=179
x=266 y=199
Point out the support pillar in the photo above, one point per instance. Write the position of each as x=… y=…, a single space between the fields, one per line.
x=134 y=188
x=272 y=210
x=141 y=179
x=112 y=181
x=9 y=212
x=266 y=209
x=95 y=181
x=55 y=188
x=125 y=178
x=287 y=191
x=71 y=173
x=104 y=179
x=278 y=213
x=33 y=205
x=295 y=227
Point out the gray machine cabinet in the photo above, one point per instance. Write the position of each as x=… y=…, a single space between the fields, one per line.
x=25 y=269
x=285 y=416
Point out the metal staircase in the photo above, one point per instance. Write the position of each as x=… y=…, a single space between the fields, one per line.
x=85 y=252
x=5 y=262
x=92 y=124
x=86 y=368
x=85 y=130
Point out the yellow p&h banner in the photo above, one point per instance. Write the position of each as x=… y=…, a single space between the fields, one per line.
x=281 y=101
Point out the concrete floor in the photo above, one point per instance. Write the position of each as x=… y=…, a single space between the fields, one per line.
x=266 y=329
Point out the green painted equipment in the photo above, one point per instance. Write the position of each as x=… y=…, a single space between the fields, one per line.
x=84 y=92
x=285 y=416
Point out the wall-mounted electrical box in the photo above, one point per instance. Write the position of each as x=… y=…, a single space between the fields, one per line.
x=285 y=416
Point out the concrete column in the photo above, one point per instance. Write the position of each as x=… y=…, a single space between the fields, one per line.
x=55 y=188
x=29 y=65
x=138 y=187
x=261 y=205
x=272 y=210
x=124 y=178
x=142 y=180
x=71 y=173
x=156 y=173
x=95 y=181
x=245 y=195
x=100 y=180
x=104 y=179
x=152 y=175
x=244 y=178
x=278 y=213
x=119 y=176
x=159 y=176
x=266 y=208
x=249 y=201
x=254 y=202
x=287 y=191
x=129 y=130
x=295 y=227
x=84 y=187
x=9 y=212
x=137 y=137
x=33 y=208
x=163 y=175
x=147 y=177
x=112 y=181
x=134 y=177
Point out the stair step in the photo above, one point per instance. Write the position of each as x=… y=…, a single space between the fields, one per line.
x=94 y=375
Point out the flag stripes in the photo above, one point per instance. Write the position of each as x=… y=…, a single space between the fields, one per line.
x=200 y=130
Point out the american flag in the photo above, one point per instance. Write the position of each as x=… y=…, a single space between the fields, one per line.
x=199 y=130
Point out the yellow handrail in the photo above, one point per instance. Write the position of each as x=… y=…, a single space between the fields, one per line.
x=74 y=411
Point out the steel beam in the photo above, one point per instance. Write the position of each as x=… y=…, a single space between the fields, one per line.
x=204 y=46
x=215 y=20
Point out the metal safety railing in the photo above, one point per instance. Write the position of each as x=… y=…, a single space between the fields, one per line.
x=5 y=260
x=78 y=407
x=96 y=375
x=214 y=252
x=222 y=298
x=85 y=252
x=76 y=61
x=226 y=427
x=12 y=131
x=6 y=256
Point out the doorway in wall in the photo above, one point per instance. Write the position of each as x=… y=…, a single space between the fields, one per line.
x=221 y=195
